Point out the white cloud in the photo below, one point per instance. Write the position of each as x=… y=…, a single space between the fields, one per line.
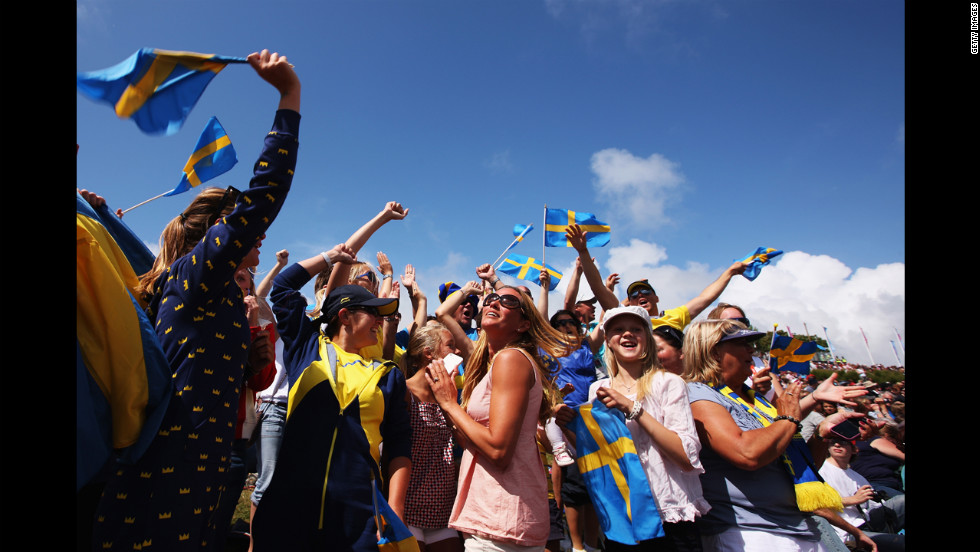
x=797 y=288
x=500 y=162
x=635 y=188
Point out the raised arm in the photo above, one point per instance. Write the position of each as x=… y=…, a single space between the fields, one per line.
x=387 y=273
x=714 y=289
x=418 y=299
x=277 y=71
x=392 y=211
x=265 y=286
x=545 y=279
x=445 y=312
x=571 y=292
x=607 y=299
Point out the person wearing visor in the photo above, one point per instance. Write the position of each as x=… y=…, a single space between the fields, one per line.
x=642 y=294
x=343 y=411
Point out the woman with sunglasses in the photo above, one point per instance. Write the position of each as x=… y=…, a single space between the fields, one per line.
x=502 y=495
x=658 y=416
x=169 y=496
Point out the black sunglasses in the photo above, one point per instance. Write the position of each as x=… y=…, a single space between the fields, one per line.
x=641 y=291
x=566 y=322
x=230 y=193
x=743 y=320
x=373 y=311
x=508 y=301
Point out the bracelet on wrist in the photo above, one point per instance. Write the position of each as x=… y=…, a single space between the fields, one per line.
x=494 y=281
x=326 y=258
x=385 y=276
x=799 y=424
x=636 y=411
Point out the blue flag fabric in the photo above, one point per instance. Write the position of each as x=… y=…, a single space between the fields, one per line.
x=155 y=88
x=123 y=380
x=758 y=259
x=557 y=220
x=614 y=477
x=527 y=268
x=213 y=155
x=521 y=230
x=789 y=353
x=395 y=536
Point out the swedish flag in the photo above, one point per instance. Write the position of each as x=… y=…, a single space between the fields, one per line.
x=757 y=260
x=791 y=354
x=527 y=268
x=395 y=536
x=614 y=476
x=557 y=220
x=213 y=156
x=155 y=88
x=123 y=379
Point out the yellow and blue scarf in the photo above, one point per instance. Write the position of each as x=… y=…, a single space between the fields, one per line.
x=811 y=491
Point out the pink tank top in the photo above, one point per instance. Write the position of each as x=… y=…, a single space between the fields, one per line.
x=508 y=505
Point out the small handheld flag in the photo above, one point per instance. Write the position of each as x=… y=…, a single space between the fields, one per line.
x=791 y=354
x=557 y=220
x=155 y=88
x=526 y=268
x=214 y=155
x=757 y=260
x=520 y=230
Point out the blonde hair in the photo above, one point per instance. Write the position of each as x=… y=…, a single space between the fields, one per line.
x=700 y=341
x=428 y=336
x=182 y=233
x=542 y=342
x=650 y=362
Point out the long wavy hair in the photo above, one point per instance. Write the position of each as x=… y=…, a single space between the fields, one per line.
x=184 y=232
x=700 y=341
x=542 y=342
x=650 y=362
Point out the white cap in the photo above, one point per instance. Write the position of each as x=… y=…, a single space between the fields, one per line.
x=635 y=310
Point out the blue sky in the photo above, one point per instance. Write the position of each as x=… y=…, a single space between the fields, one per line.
x=698 y=130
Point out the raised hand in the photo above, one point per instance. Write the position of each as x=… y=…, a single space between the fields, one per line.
x=277 y=71
x=384 y=265
x=394 y=211
x=408 y=279
x=282 y=258
x=486 y=272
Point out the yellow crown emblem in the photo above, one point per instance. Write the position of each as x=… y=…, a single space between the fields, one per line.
x=167 y=470
x=129 y=520
x=164 y=515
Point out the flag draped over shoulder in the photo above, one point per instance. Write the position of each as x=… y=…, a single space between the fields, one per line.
x=155 y=88
x=123 y=379
x=613 y=475
x=527 y=268
x=213 y=155
x=791 y=354
x=557 y=220
x=758 y=259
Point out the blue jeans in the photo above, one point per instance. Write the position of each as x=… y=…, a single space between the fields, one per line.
x=267 y=445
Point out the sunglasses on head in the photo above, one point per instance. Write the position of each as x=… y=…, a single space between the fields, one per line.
x=369 y=275
x=508 y=301
x=641 y=291
x=231 y=194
